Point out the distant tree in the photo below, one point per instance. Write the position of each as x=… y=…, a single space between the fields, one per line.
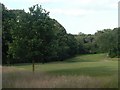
x=114 y=50
x=108 y=41
x=80 y=43
x=61 y=38
x=72 y=44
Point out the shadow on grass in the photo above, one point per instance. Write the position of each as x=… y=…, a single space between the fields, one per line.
x=88 y=71
x=87 y=58
x=75 y=60
x=80 y=60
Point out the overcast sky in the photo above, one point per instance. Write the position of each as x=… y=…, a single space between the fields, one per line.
x=76 y=16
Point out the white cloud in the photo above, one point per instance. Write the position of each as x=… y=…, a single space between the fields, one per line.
x=70 y=12
x=28 y=1
x=41 y=1
x=83 y=7
x=114 y=5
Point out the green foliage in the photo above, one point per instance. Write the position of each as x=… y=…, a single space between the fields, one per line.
x=7 y=25
x=107 y=41
x=86 y=43
x=34 y=36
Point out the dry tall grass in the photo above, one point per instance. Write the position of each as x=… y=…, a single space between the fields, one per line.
x=14 y=78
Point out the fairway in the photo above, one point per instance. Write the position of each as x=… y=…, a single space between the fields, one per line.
x=89 y=71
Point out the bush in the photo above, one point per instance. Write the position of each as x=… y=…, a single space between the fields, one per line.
x=112 y=53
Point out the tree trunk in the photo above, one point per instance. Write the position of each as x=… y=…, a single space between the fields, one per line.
x=33 y=66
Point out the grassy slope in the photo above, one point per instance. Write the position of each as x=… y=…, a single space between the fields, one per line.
x=81 y=71
x=92 y=65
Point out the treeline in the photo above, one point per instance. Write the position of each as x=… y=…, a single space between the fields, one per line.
x=34 y=36
x=104 y=41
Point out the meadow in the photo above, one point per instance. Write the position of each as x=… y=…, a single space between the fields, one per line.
x=82 y=71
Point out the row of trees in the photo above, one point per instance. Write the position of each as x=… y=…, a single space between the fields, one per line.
x=104 y=41
x=35 y=36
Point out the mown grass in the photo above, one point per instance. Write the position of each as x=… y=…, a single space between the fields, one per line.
x=85 y=71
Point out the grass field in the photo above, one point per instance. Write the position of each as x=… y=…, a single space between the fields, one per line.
x=82 y=71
